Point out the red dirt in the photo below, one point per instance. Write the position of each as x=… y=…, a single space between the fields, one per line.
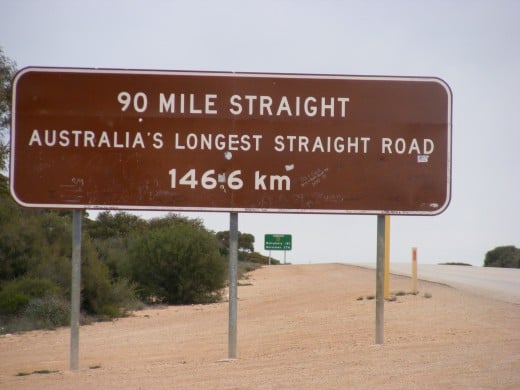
x=299 y=326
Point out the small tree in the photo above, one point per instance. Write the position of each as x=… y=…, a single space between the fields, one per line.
x=177 y=263
x=503 y=256
x=110 y=234
x=108 y=225
x=245 y=242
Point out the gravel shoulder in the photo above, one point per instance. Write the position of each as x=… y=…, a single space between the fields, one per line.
x=299 y=327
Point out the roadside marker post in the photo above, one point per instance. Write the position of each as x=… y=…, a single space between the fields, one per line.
x=414 y=270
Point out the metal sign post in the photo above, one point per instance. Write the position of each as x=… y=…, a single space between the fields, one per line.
x=380 y=272
x=387 y=256
x=75 y=289
x=233 y=285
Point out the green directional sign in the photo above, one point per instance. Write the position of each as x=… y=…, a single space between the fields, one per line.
x=278 y=242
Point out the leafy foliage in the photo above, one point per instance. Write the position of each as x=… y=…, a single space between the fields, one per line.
x=177 y=262
x=245 y=243
x=35 y=249
x=48 y=312
x=171 y=259
x=21 y=241
x=16 y=294
x=503 y=256
x=255 y=257
x=119 y=225
x=7 y=71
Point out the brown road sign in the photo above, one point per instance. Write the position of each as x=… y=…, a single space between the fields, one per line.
x=124 y=139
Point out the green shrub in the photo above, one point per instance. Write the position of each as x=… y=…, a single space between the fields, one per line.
x=13 y=302
x=503 y=256
x=244 y=267
x=48 y=312
x=21 y=243
x=455 y=263
x=255 y=257
x=101 y=295
x=123 y=292
x=114 y=253
x=120 y=298
x=109 y=311
x=95 y=285
x=177 y=263
x=16 y=294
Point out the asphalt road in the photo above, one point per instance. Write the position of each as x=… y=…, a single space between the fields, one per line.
x=497 y=283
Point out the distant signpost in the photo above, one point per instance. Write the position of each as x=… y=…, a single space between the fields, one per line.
x=277 y=242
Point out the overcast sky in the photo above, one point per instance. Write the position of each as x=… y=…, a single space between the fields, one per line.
x=473 y=45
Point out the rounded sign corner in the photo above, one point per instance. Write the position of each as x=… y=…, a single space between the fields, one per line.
x=445 y=206
x=17 y=199
x=22 y=72
x=445 y=86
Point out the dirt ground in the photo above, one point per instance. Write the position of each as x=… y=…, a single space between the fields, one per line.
x=299 y=327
